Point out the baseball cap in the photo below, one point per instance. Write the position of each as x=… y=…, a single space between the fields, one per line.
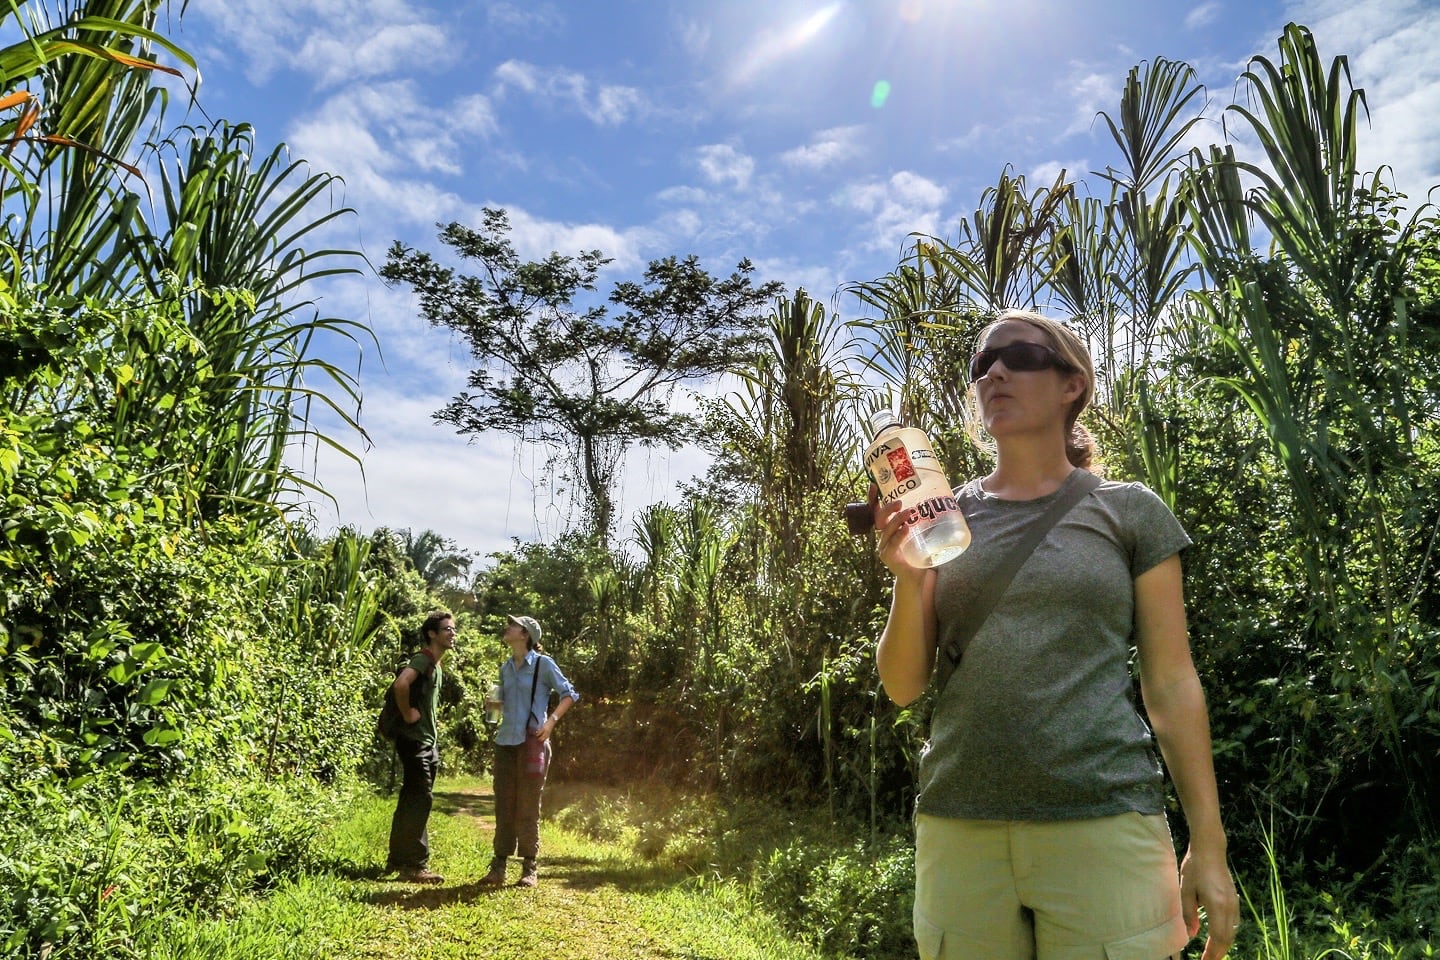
x=530 y=624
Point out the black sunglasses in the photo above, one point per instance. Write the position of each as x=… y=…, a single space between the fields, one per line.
x=1021 y=355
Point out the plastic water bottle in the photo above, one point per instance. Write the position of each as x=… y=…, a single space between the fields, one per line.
x=492 y=705
x=903 y=465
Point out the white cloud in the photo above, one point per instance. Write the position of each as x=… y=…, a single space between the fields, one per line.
x=905 y=203
x=535 y=237
x=611 y=104
x=474 y=114
x=694 y=38
x=614 y=105
x=685 y=222
x=1203 y=15
x=682 y=195
x=337 y=59
x=826 y=148
x=979 y=135
x=529 y=18
x=423 y=475
x=343 y=40
x=722 y=163
x=775 y=43
x=514 y=73
x=390 y=160
x=819 y=281
x=480 y=491
x=1042 y=176
x=360 y=132
x=1090 y=93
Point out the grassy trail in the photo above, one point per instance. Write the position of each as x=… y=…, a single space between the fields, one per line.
x=595 y=900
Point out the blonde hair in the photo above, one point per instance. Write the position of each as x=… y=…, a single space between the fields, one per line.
x=1080 y=448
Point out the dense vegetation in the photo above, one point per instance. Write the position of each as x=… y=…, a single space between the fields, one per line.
x=186 y=670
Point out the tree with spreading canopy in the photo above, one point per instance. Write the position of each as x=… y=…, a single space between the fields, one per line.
x=592 y=379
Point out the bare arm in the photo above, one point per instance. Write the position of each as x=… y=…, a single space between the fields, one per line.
x=905 y=655
x=1175 y=704
x=402 y=695
x=561 y=708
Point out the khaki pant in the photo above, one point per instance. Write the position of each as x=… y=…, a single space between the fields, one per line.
x=1101 y=889
x=517 y=804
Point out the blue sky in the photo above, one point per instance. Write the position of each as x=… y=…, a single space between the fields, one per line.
x=811 y=137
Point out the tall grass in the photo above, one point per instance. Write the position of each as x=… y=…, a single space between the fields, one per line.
x=1273 y=933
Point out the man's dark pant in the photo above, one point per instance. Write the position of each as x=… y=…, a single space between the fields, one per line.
x=517 y=804
x=409 y=837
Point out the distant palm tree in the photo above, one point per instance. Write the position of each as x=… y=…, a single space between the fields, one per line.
x=439 y=560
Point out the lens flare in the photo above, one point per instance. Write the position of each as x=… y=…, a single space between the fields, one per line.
x=880 y=94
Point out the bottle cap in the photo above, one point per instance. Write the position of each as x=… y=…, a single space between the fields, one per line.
x=882 y=419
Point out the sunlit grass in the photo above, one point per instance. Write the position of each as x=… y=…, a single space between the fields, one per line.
x=598 y=899
x=643 y=873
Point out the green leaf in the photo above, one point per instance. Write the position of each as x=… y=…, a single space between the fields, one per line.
x=155 y=691
x=161 y=736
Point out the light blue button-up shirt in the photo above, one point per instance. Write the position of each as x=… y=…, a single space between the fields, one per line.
x=515 y=693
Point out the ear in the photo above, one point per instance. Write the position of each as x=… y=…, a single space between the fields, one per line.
x=1074 y=387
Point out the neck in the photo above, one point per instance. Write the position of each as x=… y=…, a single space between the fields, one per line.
x=1026 y=470
x=434 y=651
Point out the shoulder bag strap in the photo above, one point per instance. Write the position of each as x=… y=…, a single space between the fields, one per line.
x=984 y=599
x=535 y=679
x=429 y=674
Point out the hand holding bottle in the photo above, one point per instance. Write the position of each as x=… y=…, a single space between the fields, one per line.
x=908 y=482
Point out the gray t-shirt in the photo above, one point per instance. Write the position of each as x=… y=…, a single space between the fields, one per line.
x=1038 y=721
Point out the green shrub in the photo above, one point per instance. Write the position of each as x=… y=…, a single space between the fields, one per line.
x=853 y=902
x=87 y=871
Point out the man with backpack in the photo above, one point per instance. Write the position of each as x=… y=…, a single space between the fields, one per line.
x=416 y=692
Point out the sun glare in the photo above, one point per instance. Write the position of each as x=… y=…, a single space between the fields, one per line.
x=770 y=48
x=813 y=24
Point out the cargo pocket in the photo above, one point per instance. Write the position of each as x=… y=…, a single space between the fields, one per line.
x=1163 y=941
x=929 y=938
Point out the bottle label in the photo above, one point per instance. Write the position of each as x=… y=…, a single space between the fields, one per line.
x=905 y=465
x=929 y=509
x=900 y=465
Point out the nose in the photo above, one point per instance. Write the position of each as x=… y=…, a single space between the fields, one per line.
x=996 y=365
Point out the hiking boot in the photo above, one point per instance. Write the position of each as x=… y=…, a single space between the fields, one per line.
x=496 y=876
x=529 y=877
x=421 y=875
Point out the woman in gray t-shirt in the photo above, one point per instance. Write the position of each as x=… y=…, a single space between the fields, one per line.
x=1040 y=829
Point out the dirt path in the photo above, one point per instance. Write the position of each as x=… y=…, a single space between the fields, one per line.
x=595 y=900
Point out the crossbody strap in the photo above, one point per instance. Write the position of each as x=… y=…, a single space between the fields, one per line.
x=983 y=600
x=534 y=680
x=429 y=675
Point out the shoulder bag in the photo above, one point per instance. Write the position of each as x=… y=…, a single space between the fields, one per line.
x=535 y=757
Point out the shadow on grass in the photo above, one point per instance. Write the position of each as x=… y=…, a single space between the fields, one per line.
x=432 y=898
x=574 y=873
x=481 y=806
x=582 y=874
x=350 y=870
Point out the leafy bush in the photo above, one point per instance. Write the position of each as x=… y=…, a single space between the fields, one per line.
x=852 y=902
x=88 y=872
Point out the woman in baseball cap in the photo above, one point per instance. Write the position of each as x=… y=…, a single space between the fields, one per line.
x=522 y=746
